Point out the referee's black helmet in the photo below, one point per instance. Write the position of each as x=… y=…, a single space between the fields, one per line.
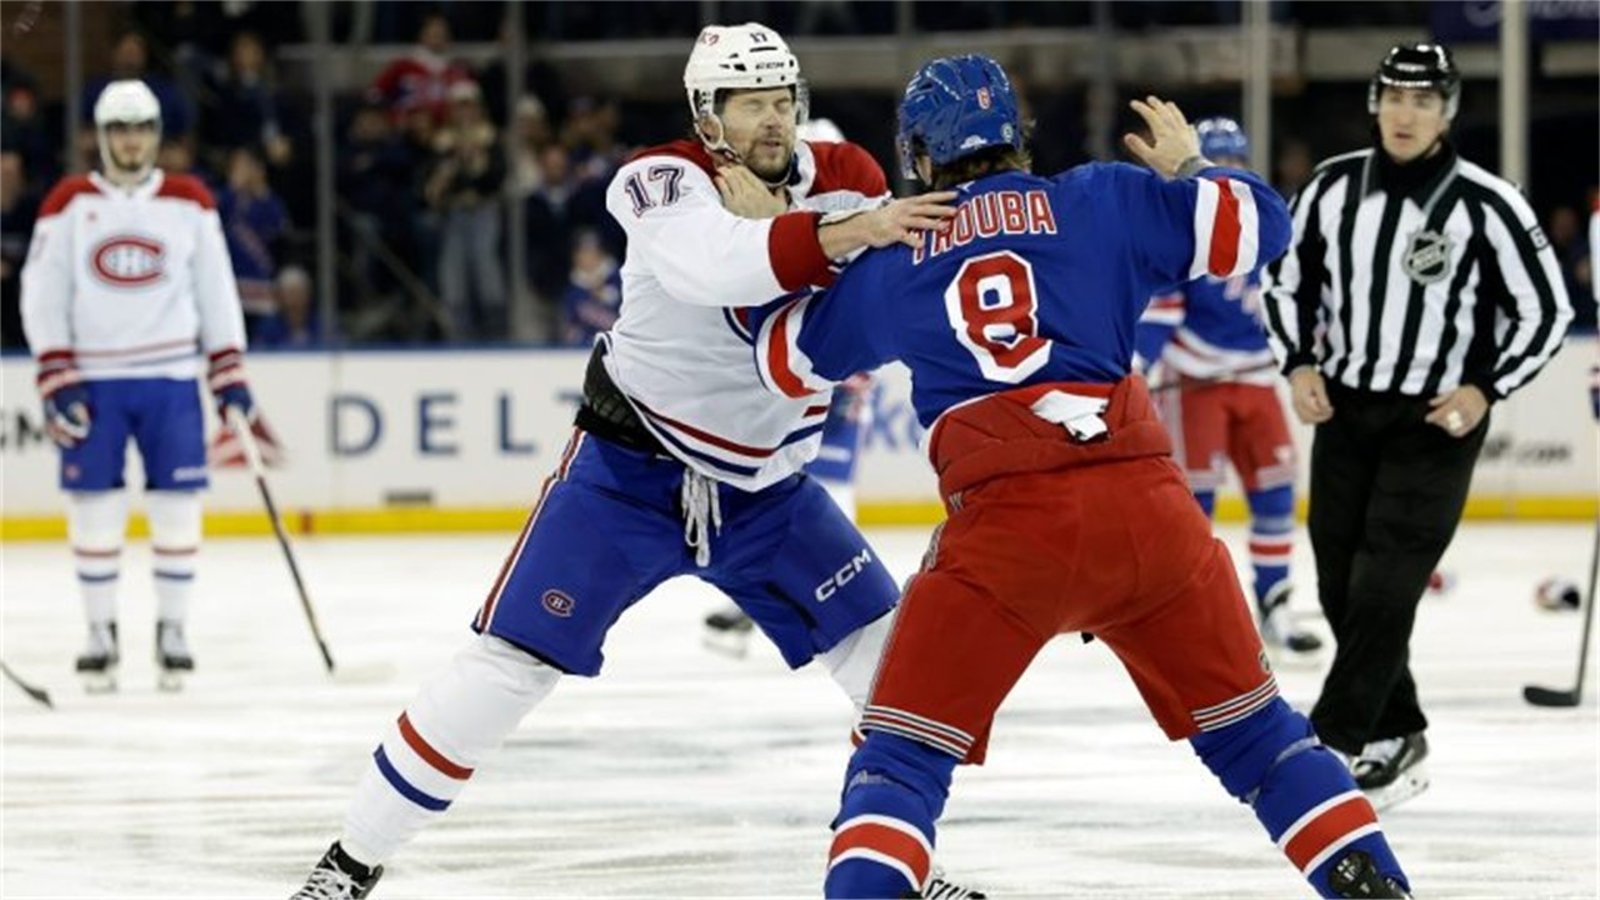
x=1426 y=67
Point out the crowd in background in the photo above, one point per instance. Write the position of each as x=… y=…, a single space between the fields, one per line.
x=432 y=158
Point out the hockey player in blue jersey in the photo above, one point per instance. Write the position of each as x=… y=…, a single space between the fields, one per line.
x=1220 y=403
x=1065 y=510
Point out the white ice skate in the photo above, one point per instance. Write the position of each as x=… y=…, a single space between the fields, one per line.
x=1278 y=630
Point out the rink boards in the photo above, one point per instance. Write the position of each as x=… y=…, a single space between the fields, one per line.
x=399 y=440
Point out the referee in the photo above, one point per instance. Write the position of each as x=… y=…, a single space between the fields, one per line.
x=1418 y=290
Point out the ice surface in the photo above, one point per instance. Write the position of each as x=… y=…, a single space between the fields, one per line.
x=680 y=773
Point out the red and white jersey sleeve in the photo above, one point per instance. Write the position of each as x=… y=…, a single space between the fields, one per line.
x=134 y=283
x=681 y=348
x=695 y=250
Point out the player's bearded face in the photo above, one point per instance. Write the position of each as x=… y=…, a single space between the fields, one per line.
x=759 y=126
x=133 y=146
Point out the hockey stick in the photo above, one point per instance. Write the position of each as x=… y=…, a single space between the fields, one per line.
x=38 y=694
x=252 y=454
x=1543 y=696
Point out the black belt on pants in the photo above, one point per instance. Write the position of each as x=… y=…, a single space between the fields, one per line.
x=606 y=412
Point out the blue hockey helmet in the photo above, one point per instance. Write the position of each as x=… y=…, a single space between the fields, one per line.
x=1221 y=136
x=956 y=106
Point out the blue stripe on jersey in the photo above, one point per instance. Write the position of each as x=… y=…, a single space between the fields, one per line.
x=97 y=579
x=404 y=787
x=175 y=576
x=715 y=462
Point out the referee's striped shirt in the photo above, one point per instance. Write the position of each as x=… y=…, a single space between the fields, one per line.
x=1448 y=283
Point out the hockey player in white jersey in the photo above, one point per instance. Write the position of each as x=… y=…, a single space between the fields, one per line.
x=126 y=292
x=681 y=462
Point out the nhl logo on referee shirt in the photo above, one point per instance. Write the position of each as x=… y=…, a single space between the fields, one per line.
x=1427 y=258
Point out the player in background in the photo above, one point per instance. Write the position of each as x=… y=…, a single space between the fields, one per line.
x=728 y=628
x=681 y=463
x=1066 y=511
x=126 y=293
x=1220 y=403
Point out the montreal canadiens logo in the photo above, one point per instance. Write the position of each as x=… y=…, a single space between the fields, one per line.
x=129 y=261
x=557 y=603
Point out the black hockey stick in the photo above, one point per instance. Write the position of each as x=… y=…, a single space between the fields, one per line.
x=38 y=694
x=252 y=454
x=1543 y=696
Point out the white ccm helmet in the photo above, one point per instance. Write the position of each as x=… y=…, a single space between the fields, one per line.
x=129 y=101
x=738 y=57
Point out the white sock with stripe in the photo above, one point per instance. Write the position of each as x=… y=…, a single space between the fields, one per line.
x=96 y=524
x=455 y=722
x=175 y=544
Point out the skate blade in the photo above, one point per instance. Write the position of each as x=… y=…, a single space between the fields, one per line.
x=727 y=643
x=171 y=681
x=1411 y=783
x=99 y=682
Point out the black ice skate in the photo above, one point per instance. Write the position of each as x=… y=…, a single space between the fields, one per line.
x=728 y=631
x=939 y=889
x=1277 y=623
x=1390 y=771
x=173 y=658
x=338 y=877
x=1357 y=876
x=97 y=665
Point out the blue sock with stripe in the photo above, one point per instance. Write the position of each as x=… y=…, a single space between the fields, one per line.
x=1271 y=536
x=1301 y=792
x=883 y=837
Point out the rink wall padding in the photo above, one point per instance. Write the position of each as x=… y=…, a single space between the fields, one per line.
x=382 y=441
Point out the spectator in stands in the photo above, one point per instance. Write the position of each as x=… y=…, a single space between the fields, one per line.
x=295 y=324
x=242 y=108
x=130 y=58
x=530 y=134
x=463 y=188
x=594 y=291
x=540 y=80
x=591 y=133
x=548 y=223
x=21 y=127
x=19 y=207
x=254 y=222
x=1569 y=237
x=421 y=79
x=376 y=169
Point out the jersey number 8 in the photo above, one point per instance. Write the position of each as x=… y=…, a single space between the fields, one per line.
x=993 y=309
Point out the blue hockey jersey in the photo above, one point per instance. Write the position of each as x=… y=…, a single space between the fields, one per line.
x=1035 y=280
x=1209 y=328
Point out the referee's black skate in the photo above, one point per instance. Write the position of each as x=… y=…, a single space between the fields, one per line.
x=97 y=664
x=1391 y=771
x=728 y=631
x=1357 y=876
x=1277 y=622
x=338 y=877
x=173 y=658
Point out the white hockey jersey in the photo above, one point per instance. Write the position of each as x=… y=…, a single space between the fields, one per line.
x=682 y=349
x=132 y=283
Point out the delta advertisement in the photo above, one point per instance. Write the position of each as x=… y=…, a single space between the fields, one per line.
x=435 y=431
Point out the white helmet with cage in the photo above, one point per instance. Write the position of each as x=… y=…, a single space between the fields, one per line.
x=126 y=102
x=738 y=57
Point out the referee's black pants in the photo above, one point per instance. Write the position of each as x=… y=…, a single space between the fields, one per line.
x=1387 y=491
